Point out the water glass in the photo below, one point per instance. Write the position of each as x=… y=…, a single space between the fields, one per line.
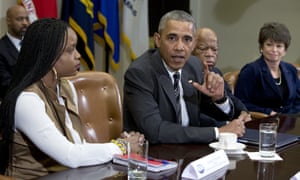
x=267 y=139
x=138 y=162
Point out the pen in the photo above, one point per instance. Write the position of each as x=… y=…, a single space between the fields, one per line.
x=158 y=160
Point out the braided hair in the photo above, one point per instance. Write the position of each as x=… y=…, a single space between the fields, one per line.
x=43 y=43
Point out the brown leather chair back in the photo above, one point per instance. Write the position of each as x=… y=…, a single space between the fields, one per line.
x=100 y=105
x=2 y=177
x=297 y=66
x=231 y=79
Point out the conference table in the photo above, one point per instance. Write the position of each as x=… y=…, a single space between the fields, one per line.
x=240 y=167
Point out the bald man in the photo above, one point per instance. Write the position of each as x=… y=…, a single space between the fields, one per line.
x=17 y=21
x=207 y=51
x=207 y=47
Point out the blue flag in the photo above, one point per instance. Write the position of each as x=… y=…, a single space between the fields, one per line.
x=106 y=28
x=79 y=14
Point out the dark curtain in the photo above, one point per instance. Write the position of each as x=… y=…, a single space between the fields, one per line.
x=157 y=8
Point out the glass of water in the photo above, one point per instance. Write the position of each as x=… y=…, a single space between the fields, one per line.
x=138 y=162
x=267 y=139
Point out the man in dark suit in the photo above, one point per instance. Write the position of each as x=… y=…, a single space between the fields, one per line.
x=207 y=50
x=17 y=22
x=152 y=107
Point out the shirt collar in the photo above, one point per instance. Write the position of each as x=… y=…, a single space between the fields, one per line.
x=15 y=41
x=170 y=71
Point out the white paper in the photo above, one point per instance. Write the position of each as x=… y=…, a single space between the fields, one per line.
x=257 y=157
x=208 y=167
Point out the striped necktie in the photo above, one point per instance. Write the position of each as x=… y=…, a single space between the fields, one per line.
x=176 y=77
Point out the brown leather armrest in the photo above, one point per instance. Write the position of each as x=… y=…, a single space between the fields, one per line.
x=6 y=178
x=258 y=115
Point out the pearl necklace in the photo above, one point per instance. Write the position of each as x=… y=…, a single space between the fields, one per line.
x=279 y=81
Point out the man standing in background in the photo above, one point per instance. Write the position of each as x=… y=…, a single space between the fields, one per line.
x=17 y=21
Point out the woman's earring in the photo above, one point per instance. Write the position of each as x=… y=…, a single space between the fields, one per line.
x=55 y=73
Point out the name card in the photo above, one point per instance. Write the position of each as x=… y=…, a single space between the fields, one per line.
x=296 y=176
x=212 y=166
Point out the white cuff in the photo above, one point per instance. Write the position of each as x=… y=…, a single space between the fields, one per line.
x=217 y=133
x=225 y=107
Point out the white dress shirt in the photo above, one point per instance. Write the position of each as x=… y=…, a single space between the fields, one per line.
x=15 y=41
x=225 y=107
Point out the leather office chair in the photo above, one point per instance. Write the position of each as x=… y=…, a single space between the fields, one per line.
x=231 y=79
x=297 y=66
x=2 y=177
x=99 y=104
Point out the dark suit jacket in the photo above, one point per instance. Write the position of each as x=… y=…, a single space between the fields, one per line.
x=257 y=90
x=149 y=102
x=8 y=59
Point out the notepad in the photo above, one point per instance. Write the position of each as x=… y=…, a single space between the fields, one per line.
x=154 y=165
x=251 y=137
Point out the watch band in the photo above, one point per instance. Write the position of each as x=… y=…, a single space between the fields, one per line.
x=221 y=101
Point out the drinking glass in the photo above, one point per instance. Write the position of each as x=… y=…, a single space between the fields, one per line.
x=267 y=139
x=138 y=162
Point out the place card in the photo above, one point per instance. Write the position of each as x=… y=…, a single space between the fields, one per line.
x=213 y=165
x=296 y=176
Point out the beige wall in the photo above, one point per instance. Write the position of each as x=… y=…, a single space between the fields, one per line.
x=236 y=22
x=4 y=4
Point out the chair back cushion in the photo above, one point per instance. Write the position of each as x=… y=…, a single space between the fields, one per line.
x=231 y=79
x=99 y=105
x=297 y=66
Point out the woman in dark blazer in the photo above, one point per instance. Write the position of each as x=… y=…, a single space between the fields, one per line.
x=270 y=85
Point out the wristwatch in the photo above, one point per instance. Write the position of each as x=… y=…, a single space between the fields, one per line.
x=222 y=100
